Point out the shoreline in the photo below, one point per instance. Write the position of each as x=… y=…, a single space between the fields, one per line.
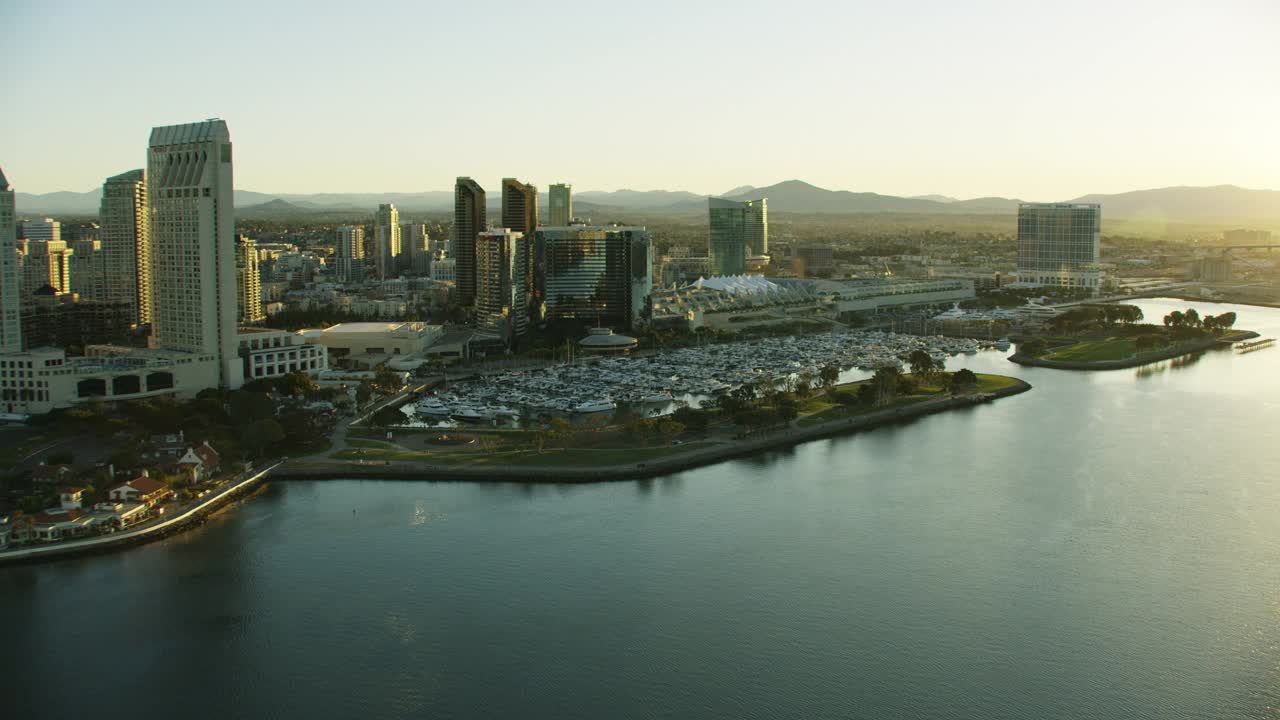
x=308 y=470
x=772 y=440
x=1132 y=362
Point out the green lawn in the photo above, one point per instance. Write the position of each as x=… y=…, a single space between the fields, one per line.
x=585 y=457
x=1096 y=350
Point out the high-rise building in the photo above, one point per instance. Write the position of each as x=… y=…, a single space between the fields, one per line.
x=519 y=206
x=45 y=229
x=415 y=242
x=193 y=240
x=738 y=230
x=520 y=214
x=248 y=281
x=598 y=275
x=386 y=241
x=126 y=246
x=349 y=253
x=560 y=205
x=468 y=222
x=1058 y=244
x=501 y=303
x=88 y=268
x=45 y=262
x=10 y=292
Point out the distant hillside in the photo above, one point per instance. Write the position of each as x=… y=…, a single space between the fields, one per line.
x=1190 y=204
x=632 y=199
x=800 y=196
x=59 y=203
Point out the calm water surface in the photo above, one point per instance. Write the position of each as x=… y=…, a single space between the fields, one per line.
x=1106 y=546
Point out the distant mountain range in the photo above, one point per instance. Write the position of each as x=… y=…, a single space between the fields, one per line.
x=1174 y=204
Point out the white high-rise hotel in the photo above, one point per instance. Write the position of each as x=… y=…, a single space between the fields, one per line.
x=193 y=242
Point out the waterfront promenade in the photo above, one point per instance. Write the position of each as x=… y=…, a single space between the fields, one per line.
x=150 y=531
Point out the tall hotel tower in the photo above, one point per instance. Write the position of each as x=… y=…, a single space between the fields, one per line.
x=1059 y=244
x=738 y=230
x=193 y=246
x=125 y=243
x=10 y=317
x=560 y=202
x=468 y=222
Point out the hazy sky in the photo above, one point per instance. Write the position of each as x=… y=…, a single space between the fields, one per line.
x=1022 y=98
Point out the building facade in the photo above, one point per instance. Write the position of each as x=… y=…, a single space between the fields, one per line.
x=560 y=205
x=10 y=290
x=192 y=232
x=45 y=262
x=738 y=230
x=276 y=353
x=1058 y=244
x=597 y=275
x=349 y=253
x=248 y=281
x=60 y=321
x=43 y=229
x=88 y=268
x=415 y=244
x=469 y=219
x=501 y=303
x=386 y=241
x=126 y=248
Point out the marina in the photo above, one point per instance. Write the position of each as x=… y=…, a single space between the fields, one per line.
x=661 y=382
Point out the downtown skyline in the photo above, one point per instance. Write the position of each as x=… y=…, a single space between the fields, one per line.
x=965 y=102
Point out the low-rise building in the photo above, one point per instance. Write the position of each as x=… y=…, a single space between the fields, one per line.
x=199 y=463
x=367 y=344
x=58 y=524
x=143 y=489
x=275 y=353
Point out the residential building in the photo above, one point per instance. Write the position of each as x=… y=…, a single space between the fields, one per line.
x=88 y=268
x=126 y=245
x=386 y=241
x=43 y=230
x=1059 y=244
x=520 y=215
x=468 y=221
x=192 y=234
x=51 y=319
x=502 y=291
x=349 y=253
x=10 y=286
x=597 y=275
x=275 y=353
x=248 y=281
x=199 y=463
x=144 y=489
x=444 y=270
x=737 y=230
x=415 y=244
x=560 y=205
x=45 y=262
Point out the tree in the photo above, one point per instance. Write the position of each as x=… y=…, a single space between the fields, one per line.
x=844 y=397
x=61 y=457
x=693 y=419
x=745 y=393
x=387 y=380
x=247 y=407
x=885 y=382
x=386 y=417
x=829 y=375
x=1226 y=320
x=260 y=435
x=803 y=387
x=1035 y=347
x=921 y=363
x=1191 y=318
x=962 y=379
x=364 y=392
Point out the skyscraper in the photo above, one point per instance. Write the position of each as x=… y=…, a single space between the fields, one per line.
x=10 y=312
x=595 y=275
x=501 y=304
x=415 y=244
x=1058 y=244
x=349 y=253
x=386 y=241
x=560 y=202
x=126 y=247
x=192 y=232
x=738 y=230
x=519 y=206
x=469 y=218
x=88 y=268
x=248 y=281
x=45 y=262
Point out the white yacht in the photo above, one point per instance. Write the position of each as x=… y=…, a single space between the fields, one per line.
x=594 y=406
x=471 y=414
x=431 y=406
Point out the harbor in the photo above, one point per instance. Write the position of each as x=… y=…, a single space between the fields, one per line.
x=658 y=384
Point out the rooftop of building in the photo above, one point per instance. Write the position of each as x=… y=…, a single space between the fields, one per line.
x=376 y=327
x=209 y=130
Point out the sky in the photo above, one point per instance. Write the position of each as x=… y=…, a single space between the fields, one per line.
x=1035 y=100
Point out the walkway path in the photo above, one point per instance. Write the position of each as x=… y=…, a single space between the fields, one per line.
x=206 y=504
